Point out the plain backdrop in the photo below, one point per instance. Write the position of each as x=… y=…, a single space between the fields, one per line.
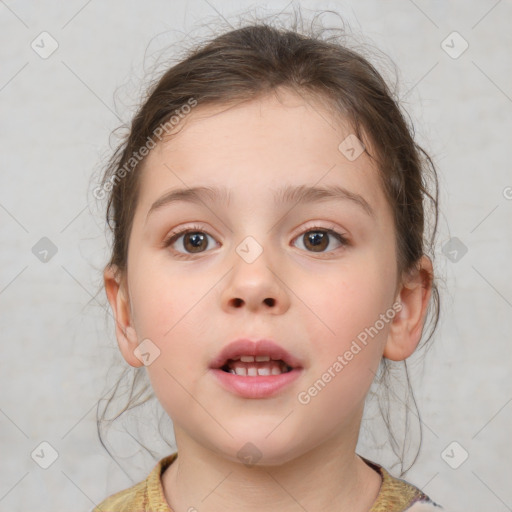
x=71 y=72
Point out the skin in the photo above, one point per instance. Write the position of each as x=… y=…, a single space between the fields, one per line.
x=321 y=302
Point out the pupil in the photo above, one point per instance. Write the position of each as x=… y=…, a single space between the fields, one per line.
x=195 y=239
x=317 y=240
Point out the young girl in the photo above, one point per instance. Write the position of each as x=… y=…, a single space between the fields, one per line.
x=268 y=258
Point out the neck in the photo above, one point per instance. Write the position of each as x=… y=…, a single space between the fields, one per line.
x=205 y=480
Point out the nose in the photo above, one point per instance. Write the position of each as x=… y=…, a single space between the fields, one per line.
x=256 y=286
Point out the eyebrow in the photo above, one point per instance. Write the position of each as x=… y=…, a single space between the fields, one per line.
x=287 y=194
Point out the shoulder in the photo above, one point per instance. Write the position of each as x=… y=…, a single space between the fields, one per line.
x=425 y=507
x=132 y=499
x=397 y=495
x=146 y=495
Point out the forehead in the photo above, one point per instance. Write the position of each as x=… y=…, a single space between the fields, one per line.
x=280 y=118
x=259 y=145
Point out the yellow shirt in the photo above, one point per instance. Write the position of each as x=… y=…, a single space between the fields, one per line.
x=395 y=495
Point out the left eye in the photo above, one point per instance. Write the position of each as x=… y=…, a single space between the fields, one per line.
x=318 y=239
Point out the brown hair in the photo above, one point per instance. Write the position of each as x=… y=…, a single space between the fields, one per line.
x=256 y=60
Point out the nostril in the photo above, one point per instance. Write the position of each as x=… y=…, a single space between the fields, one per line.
x=270 y=302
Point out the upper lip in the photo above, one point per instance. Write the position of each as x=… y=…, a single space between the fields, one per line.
x=262 y=347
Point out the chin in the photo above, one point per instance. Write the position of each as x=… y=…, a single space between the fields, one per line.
x=258 y=451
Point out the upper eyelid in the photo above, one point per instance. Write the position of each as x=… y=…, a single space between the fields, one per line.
x=315 y=225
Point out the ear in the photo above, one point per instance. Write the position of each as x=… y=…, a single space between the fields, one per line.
x=407 y=325
x=117 y=294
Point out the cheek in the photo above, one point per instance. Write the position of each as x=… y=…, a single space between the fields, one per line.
x=171 y=311
x=347 y=334
x=346 y=355
x=165 y=301
x=346 y=302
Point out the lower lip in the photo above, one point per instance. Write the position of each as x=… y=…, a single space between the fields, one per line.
x=261 y=386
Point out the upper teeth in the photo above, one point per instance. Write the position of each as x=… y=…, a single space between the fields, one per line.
x=251 y=359
x=246 y=366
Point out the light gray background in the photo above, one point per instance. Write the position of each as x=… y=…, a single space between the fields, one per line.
x=57 y=345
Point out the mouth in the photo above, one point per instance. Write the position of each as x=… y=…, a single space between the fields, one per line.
x=253 y=366
x=255 y=369
x=252 y=358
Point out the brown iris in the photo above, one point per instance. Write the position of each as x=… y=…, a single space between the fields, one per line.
x=319 y=240
x=198 y=241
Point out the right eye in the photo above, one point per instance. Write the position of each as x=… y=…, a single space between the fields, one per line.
x=192 y=240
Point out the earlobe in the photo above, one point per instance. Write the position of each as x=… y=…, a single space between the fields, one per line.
x=116 y=290
x=407 y=325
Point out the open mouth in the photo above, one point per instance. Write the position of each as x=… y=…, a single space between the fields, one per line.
x=254 y=366
x=256 y=369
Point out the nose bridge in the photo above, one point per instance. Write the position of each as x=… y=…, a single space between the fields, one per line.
x=255 y=281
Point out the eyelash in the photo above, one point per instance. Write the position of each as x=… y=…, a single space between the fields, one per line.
x=194 y=229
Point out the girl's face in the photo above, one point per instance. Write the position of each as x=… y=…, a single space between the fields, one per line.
x=261 y=266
